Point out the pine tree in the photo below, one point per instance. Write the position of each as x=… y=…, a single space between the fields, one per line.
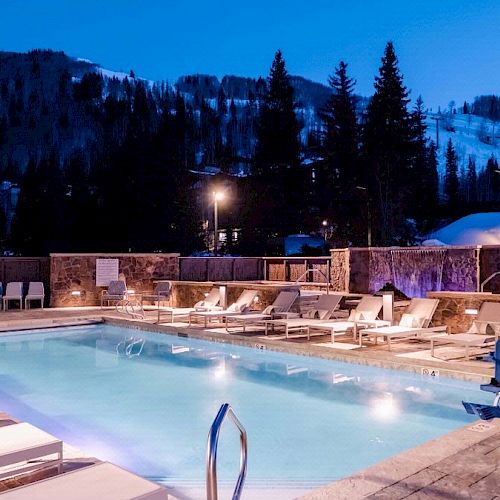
x=424 y=182
x=278 y=183
x=387 y=151
x=451 y=184
x=492 y=179
x=471 y=186
x=278 y=128
x=341 y=139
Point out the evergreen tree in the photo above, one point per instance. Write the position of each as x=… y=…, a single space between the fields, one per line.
x=278 y=186
x=338 y=194
x=278 y=128
x=388 y=151
x=471 y=183
x=425 y=192
x=39 y=226
x=492 y=179
x=451 y=184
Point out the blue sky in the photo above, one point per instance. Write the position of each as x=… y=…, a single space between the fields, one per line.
x=448 y=49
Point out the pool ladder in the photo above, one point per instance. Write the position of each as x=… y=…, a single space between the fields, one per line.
x=213 y=438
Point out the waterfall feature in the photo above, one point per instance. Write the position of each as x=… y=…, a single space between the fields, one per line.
x=418 y=271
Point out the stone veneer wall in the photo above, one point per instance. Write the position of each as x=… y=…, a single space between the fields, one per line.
x=340 y=269
x=76 y=272
x=490 y=263
x=452 y=306
x=371 y=268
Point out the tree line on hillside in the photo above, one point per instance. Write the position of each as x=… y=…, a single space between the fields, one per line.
x=131 y=184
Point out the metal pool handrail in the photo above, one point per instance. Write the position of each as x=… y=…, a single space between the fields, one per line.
x=305 y=273
x=213 y=438
x=488 y=279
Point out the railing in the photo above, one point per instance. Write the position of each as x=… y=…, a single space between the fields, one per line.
x=213 y=439
x=305 y=273
x=488 y=279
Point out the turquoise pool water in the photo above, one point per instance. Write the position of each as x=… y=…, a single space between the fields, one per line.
x=148 y=406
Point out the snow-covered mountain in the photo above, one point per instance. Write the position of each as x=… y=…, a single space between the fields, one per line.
x=464 y=131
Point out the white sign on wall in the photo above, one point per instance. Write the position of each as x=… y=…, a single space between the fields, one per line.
x=106 y=270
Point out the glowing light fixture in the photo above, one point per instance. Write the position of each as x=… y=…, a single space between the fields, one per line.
x=76 y=293
x=471 y=312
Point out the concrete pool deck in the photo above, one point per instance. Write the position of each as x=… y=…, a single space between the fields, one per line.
x=462 y=464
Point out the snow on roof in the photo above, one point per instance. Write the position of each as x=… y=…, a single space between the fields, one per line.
x=475 y=229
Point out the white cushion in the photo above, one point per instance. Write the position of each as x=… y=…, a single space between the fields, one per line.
x=269 y=310
x=410 y=321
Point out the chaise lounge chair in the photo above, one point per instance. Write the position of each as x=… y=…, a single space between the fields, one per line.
x=281 y=304
x=239 y=307
x=14 y=291
x=103 y=481
x=414 y=324
x=323 y=310
x=484 y=331
x=209 y=303
x=363 y=316
x=21 y=444
x=35 y=292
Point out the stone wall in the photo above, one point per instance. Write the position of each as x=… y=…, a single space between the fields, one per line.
x=452 y=306
x=490 y=263
x=339 y=270
x=77 y=272
x=414 y=270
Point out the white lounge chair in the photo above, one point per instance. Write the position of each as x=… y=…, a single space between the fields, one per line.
x=21 y=444
x=363 y=316
x=103 y=481
x=239 y=307
x=485 y=330
x=323 y=310
x=116 y=292
x=413 y=324
x=14 y=291
x=35 y=292
x=209 y=303
x=281 y=304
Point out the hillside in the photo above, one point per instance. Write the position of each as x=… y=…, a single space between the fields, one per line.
x=465 y=138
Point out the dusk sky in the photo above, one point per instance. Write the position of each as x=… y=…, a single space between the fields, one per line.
x=448 y=49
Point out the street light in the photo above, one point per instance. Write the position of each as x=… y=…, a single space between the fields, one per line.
x=368 y=214
x=324 y=224
x=218 y=196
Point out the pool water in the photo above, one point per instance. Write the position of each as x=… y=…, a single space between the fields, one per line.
x=147 y=404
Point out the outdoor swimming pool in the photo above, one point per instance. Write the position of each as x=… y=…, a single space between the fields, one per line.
x=148 y=405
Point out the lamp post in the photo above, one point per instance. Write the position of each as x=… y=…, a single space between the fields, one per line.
x=368 y=215
x=218 y=196
x=324 y=224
